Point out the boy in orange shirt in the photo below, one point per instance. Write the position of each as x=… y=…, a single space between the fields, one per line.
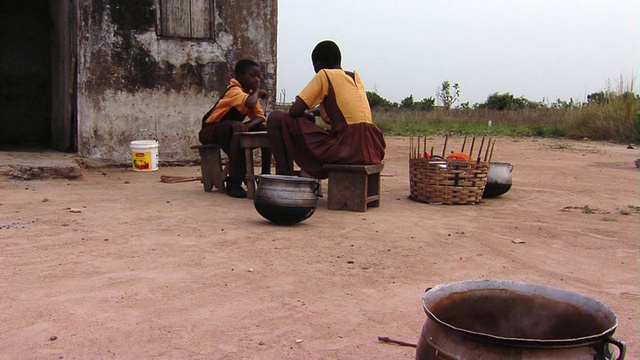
x=226 y=117
x=352 y=139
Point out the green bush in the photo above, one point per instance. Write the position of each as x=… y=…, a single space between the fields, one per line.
x=605 y=116
x=616 y=120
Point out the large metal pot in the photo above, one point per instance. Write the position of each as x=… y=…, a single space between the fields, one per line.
x=286 y=200
x=499 y=179
x=497 y=319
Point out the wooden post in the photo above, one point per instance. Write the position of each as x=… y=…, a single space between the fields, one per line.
x=473 y=142
x=480 y=150
x=444 y=148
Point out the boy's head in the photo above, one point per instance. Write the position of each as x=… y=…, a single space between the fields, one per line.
x=248 y=73
x=326 y=55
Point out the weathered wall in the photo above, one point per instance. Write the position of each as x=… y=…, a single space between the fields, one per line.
x=130 y=79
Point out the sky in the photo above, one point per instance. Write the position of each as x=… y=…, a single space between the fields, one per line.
x=538 y=49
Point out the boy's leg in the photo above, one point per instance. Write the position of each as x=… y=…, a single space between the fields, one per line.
x=206 y=135
x=237 y=169
x=274 y=132
x=265 y=152
x=266 y=160
x=236 y=153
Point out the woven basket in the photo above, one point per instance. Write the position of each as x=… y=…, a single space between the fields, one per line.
x=447 y=181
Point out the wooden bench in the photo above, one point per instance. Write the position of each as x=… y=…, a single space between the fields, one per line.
x=353 y=187
x=250 y=141
x=213 y=173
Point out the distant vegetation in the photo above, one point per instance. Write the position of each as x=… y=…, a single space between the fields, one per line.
x=606 y=115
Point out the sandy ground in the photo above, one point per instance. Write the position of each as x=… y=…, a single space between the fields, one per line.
x=119 y=265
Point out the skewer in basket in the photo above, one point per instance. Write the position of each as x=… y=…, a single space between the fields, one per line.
x=442 y=180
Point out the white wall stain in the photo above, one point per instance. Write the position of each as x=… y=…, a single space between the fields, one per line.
x=178 y=52
x=174 y=118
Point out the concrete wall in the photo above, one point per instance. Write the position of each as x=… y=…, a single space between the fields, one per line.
x=130 y=79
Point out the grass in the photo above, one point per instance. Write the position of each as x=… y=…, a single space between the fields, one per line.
x=560 y=147
x=616 y=121
x=631 y=210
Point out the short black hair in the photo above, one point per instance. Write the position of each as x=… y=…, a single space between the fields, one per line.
x=327 y=52
x=243 y=65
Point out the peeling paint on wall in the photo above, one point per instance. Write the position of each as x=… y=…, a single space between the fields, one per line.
x=178 y=53
x=129 y=78
x=168 y=117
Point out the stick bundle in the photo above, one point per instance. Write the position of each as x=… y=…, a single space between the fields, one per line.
x=418 y=147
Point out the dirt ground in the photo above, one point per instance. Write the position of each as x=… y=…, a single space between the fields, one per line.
x=119 y=265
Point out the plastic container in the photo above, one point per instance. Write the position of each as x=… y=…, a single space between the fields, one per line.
x=144 y=155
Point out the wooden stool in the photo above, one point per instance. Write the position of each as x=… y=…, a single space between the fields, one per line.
x=250 y=141
x=211 y=167
x=353 y=187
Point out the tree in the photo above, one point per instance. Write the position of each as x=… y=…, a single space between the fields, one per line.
x=497 y=101
x=563 y=104
x=377 y=101
x=524 y=103
x=599 y=98
x=507 y=101
x=426 y=104
x=407 y=103
x=448 y=94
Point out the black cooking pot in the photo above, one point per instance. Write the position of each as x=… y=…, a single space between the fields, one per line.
x=286 y=200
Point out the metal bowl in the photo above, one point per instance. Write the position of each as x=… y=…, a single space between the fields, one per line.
x=286 y=200
x=499 y=180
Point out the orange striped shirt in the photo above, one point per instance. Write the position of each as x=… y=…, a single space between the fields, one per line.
x=234 y=97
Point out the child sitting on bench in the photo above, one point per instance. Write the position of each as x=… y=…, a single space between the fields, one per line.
x=352 y=139
x=226 y=117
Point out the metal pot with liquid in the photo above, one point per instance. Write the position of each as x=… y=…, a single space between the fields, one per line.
x=499 y=179
x=501 y=319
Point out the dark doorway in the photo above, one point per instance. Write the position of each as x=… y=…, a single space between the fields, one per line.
x=25 y=73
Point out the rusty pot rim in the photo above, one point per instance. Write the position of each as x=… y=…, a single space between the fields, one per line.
x=444 y=290
x=287 y=178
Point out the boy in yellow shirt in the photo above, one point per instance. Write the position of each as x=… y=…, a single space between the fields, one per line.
x=226 y=117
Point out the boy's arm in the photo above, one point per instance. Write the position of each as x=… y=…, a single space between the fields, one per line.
x=252 y=100
x=299 y=109
x=251 y=103
x=256 y=120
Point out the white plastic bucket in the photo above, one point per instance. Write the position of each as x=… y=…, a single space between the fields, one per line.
x=144 y=155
